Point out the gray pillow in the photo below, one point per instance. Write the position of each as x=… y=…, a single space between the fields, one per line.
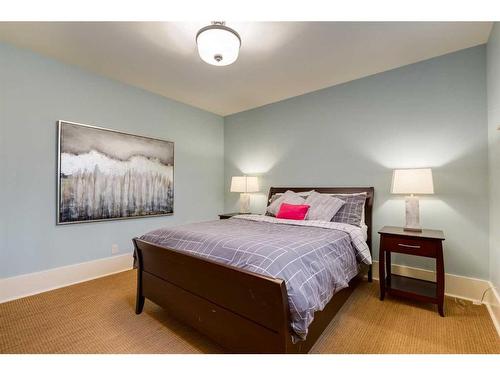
x=303 y=194
x=288 y=197
x=322 y=207
x=352 y=211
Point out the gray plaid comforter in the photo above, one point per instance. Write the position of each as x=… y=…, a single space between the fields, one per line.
x=315 y=259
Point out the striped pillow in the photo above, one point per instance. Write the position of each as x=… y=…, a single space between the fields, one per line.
x=352 y=212
x=323 y=207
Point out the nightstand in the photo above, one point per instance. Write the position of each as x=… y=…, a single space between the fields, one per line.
x=229 y=215
x=428 y=243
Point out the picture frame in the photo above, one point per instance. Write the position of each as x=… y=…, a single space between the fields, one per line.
x=105 y=174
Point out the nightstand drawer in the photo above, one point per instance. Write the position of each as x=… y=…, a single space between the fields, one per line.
x=408 y=245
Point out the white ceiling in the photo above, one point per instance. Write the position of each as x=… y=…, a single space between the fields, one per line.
x=277 y=60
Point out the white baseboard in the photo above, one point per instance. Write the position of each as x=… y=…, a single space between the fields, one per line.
x=493 y=304
x=33 y=283
x=462 y=287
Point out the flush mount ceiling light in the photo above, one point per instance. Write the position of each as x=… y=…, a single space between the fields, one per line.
x=218 y=44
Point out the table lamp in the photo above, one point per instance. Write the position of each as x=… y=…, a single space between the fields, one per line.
x=244 y=185
x=412 y=181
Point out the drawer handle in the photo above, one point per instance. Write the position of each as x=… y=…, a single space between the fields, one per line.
x=412 y=246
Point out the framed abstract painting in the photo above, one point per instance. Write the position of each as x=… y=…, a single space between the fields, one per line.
x=105 y=174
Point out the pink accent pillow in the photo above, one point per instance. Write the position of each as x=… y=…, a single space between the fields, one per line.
x=293 y=211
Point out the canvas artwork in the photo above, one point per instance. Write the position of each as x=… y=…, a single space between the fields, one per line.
x=105 y=174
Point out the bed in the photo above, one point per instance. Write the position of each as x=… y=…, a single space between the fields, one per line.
x=238 y=305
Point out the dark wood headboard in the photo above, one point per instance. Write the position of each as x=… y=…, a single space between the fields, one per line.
x=370 y=191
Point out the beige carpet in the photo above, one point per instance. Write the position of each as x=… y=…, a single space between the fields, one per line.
x=98 y=317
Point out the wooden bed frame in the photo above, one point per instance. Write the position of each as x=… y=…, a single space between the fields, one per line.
x=242 y=311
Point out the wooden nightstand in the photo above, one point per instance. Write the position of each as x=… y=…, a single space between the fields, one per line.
x=227 y=216
x=428 y=243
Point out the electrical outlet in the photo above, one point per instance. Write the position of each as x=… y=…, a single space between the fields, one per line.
x=114 y=249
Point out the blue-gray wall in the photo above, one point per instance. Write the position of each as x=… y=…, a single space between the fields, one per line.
x=493 y=78
x=429 y=114
x=35 y=92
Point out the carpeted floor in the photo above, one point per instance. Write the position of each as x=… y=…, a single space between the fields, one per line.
x=98 y=317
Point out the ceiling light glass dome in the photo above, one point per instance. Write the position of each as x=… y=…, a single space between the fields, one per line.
x=218 y=44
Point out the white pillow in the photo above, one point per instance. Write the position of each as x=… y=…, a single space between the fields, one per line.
x=289 y=197
x=322 y=206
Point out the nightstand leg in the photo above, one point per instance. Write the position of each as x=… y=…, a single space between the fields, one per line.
x=381 y=273
x=440 y=280
x=388 y=269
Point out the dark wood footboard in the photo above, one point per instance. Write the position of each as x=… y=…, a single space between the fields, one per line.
x=242 y=311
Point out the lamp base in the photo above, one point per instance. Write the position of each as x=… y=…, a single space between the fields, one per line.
x=244 y=203
x=412 y=215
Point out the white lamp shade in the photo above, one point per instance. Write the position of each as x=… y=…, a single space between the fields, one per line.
x=218 y=45
x=244 y=184
x=412 y=181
